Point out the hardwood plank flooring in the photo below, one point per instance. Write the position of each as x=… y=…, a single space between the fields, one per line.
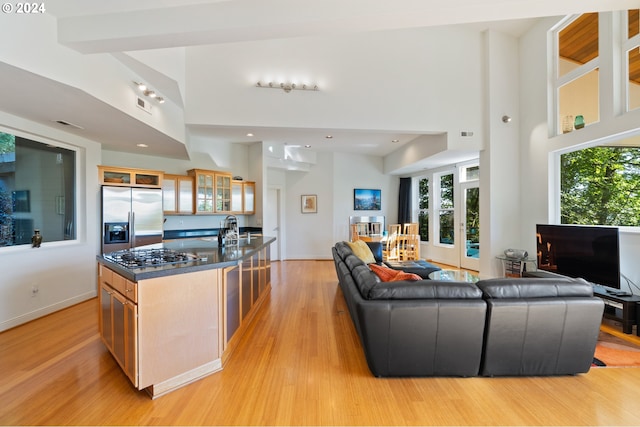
x=299 y=364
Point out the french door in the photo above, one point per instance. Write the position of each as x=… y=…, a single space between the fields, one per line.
x=470 y=225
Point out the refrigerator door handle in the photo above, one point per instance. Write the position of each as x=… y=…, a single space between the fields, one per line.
x=132 y=231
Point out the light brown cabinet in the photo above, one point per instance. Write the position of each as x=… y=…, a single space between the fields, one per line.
x=243 y=197
x=127 y=177
x=212 y=191
x=177 y=194
x=146 y=326
x=118 y=320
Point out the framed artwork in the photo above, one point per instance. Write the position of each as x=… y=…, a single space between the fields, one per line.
x=309 y=203
x=366 y=200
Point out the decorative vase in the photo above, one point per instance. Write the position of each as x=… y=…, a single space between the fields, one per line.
x=36 y=239
x=579 y=123
x=567 y=124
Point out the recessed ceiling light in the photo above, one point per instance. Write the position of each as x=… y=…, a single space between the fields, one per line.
x=395 y=141
x=142 y=145
x=307 y=146
x=249 y=134
x=329 y=136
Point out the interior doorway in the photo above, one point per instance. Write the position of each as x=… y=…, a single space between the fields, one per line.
x=273 y=219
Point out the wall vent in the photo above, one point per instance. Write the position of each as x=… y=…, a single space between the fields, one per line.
x=143 y=104
x=66 y=123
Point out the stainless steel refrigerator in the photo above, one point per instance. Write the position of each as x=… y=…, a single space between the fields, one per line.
x=130 y=217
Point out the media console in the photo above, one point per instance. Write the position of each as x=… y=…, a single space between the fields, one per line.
x=620 y=306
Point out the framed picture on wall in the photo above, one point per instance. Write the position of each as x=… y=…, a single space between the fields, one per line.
x=366 y=199
x=309 y=203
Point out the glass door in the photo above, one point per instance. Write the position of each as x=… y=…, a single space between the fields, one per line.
x=470 y=226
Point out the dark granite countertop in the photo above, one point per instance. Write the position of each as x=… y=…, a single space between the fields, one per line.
x=209 y=256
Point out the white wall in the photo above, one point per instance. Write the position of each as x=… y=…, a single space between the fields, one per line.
x=64 y=272
x=397 y=80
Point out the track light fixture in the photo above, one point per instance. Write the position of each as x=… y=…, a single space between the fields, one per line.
x=146 y=91
x=288 y=87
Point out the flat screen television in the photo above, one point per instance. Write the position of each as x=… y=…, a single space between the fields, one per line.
x=590 y=252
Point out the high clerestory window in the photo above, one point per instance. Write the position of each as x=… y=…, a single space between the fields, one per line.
x=37 y=191
x=576 y=81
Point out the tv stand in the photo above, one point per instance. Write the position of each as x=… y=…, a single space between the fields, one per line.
x=623 y=308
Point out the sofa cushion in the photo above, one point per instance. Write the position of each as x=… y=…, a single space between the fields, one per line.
x=343 y=249
x=535 y=288
x=362 y=251
x=387 y=274
x=365 y=279
x=424 y=289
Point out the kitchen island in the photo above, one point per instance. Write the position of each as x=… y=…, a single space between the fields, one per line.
x=176 y=317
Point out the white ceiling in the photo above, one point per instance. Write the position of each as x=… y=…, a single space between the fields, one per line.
x=92 y=27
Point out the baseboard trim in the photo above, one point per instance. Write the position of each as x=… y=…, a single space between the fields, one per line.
x=41 y=312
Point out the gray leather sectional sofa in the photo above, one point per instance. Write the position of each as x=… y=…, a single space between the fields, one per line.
x=496 y=327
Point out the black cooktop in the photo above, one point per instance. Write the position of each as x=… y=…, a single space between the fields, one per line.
x=140 y=258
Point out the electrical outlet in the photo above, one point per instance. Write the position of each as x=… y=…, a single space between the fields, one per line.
x=34 y=290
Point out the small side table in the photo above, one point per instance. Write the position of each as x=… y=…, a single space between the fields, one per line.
x=514 y=267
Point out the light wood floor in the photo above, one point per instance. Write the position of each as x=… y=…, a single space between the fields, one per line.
x=301 y=364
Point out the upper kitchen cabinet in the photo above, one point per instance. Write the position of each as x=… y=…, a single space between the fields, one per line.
x=177 y=194
x=130 y=177
x=212 y=191
x=223 y=192
x=243 y=197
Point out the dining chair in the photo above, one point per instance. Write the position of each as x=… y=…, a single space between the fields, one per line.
x=411 y=228
x=363 y=228
x=390 y=244
x=410 y=248
x=354 y=233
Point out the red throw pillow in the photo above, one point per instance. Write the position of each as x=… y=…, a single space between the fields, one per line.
x=387 y=274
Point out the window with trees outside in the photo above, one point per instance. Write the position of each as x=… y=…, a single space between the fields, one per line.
x=601 y=185
x=423 y=209
x=37 y=191
x=446 y=231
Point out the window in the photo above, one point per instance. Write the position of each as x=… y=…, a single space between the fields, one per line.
x=37 y=191
x=423 y=209
x=632 y=46
x=576 y=81
x=600 y=185
x=446 y=231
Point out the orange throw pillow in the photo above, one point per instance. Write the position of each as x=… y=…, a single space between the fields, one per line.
x=387 y=274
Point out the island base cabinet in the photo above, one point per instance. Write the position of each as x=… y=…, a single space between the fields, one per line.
x=244 y=289
x=171 y=336
x=118 y=328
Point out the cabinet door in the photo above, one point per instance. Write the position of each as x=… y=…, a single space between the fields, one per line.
x=223 y=193
x=236 y=196
x=119 y=330
x=131 y=341
x=249 y=197
x=231 y=302
x=106 y=316
x=169 y=195
x=247 y=274
x=204 y=193
x=185 y=195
